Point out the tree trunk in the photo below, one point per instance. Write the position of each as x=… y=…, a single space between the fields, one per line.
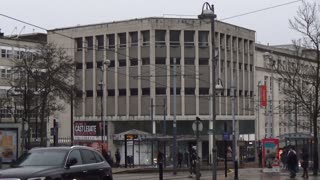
x=315 y=120
x=42 y=122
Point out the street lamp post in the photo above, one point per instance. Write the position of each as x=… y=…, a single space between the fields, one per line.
x=101 y=112
x=208 y=13
x=103 y=82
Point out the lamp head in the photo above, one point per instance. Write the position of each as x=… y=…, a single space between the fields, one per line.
x=106 y=62
x=207 y=12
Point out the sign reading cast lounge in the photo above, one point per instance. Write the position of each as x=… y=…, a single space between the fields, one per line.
x=88 y=130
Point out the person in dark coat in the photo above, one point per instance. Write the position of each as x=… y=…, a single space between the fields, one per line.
x=118 y=158
x=292 y=162
x=186 y=158
x=180 y=158
x=305 y=162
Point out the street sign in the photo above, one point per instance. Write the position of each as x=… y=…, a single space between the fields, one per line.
x=226 y=136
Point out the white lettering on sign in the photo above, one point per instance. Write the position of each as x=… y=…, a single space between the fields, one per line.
x=82 y=128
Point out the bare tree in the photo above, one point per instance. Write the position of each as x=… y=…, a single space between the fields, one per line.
x=46 y=77
x=300 y=72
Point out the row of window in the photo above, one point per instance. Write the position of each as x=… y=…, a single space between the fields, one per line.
x=162 y=91
x=162 y=61
x=144 y=61
x=160 y=40
x=5 y=73
x=13 y=54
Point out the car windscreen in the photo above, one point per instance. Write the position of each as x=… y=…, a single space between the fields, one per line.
x=43 y=158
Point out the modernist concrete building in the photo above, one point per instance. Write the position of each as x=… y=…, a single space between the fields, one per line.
x=142 y=52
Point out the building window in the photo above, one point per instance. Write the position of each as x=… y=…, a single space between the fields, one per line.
x=228 y=64
x=145 y=38
x=160 y=91
x=134 y=62
x=9 y=73
x=228 y=92
x=160 y=37
x=160 y=60
x=122 y=39
x=89 y=93
x=89 y=65
x=203 y=91
x=177 y=61
x=122 y=92
x=203 y=61
x=145 y=61
x=100 y=42
x=188 y=38
x=89 y=41
x=174 y=38
x=203 y=38
x=251 y=93
x=79 y=66
x=122 y=62
x=178 y=91
x=133 y=39
x=246 y=67
x=112 y=64
x=111 y=92
x=134 y=92
x=99 y=93
x=240 y=93
x=189 y=61
x=111 y=41
x=145 y=91
x=79 y=44
x=189 y=91
x=240 y=66
x=3 y=73
x=245 y=93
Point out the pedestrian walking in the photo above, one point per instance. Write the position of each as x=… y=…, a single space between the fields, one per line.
x=160 y=160
x=305 y=162
x=180 y=158
x=292 y=162
x=118 y=157
x=186 y=158
x=193 y=161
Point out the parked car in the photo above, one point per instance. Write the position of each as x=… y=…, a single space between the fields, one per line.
x=59 y=163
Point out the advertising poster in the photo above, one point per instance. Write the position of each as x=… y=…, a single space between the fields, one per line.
x=8 y=145
x=88 y=133
x=270 y=155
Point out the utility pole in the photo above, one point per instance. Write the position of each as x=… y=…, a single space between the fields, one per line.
x=174 y=116
x=234 y=134
x=153 y=126
x=164 y=116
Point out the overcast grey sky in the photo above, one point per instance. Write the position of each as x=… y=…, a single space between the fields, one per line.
x=271 y=26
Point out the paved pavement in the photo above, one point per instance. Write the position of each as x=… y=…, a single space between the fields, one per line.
x=244 y=174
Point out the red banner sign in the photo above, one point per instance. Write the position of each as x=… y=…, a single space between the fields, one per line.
x=264 y=95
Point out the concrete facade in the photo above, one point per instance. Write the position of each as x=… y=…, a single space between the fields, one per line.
x=141 y=53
